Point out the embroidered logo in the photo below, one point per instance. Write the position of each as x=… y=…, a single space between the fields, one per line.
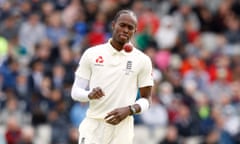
x=99 y=60
x=128 y=68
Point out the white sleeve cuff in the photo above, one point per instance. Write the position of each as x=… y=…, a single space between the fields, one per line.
x=79 y=90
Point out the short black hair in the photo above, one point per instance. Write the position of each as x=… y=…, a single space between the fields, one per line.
x=124 y=11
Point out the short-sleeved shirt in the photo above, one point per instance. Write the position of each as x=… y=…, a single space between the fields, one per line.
x=118 y=73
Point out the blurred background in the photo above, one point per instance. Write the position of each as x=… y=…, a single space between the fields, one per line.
x=194 y=46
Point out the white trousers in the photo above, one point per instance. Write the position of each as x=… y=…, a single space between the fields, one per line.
x=93 y=131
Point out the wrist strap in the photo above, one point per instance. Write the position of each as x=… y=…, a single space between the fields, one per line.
x=132 y=110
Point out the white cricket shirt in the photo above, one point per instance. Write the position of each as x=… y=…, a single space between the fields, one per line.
x=119 y=74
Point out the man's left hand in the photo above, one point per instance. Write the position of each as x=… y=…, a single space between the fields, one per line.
x=117 y=115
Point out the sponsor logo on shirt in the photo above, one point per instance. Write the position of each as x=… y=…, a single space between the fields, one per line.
x=99 y=61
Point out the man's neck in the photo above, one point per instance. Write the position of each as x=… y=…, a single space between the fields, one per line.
x=116 y=45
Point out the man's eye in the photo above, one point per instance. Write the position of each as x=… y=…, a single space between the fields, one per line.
x=122 y=25
x=130 y=27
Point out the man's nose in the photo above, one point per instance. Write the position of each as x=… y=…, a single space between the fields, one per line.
x=126 y=29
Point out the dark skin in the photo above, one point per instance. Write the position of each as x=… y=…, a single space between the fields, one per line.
x=123 y=30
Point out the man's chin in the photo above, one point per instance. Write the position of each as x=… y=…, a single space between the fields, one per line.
x=120 y=42
x=123 y=41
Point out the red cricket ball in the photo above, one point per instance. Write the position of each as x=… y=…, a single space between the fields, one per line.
x=127 y=47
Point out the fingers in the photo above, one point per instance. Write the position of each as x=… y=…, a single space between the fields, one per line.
x=96 y=93
x=112 y=118
x=110 y=115
x=99 y=91
x=117 y=115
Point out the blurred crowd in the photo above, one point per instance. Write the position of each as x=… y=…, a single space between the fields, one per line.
x=194 y=46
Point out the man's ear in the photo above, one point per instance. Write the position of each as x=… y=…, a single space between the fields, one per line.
x=113 y=25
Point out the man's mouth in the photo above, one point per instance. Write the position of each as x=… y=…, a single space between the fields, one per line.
x=122 y=36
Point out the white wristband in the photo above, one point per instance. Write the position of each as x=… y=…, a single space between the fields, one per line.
x=143 y=103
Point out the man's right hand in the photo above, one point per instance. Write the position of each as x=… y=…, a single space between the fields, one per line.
x=96 y=93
